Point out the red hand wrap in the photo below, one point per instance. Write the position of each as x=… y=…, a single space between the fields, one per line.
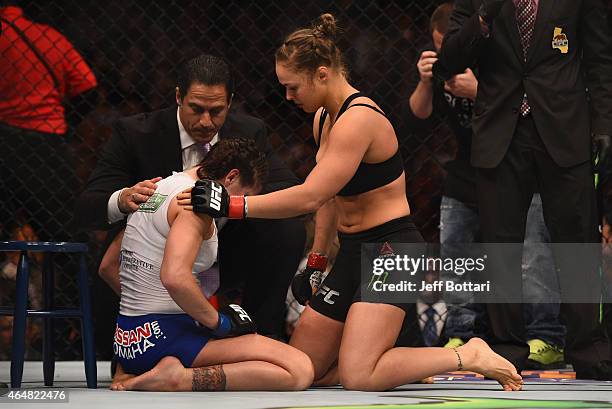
x=236 y=207
x=317 y=261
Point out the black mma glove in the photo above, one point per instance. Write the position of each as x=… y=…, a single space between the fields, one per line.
x=211 y=198
x=233 y=322
x=489 y=9
x=306 y=282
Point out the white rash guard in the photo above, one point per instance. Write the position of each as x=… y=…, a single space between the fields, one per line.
x=142 y=252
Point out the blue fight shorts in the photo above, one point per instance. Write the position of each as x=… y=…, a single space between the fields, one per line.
x=141 y=342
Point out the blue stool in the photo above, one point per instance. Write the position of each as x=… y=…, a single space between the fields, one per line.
x=20 y=311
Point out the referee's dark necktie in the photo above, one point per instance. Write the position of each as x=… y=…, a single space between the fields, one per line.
x=525 y=18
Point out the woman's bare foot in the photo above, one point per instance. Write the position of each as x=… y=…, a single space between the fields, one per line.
x=477 y=356
x=120 y=377
x=168 y=375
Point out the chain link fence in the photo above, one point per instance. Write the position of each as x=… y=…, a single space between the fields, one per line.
x=134 y=48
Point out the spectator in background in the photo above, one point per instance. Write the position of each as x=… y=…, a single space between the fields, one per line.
x=40 y=69
x=459 y=220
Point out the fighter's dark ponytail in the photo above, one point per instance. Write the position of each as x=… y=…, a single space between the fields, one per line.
x=235 y=153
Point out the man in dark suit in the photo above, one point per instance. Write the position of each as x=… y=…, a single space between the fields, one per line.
x=145 y=147
x=533 y=117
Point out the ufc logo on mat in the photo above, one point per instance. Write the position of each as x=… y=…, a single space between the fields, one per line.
x=327 y=293
x=215 y=199
x=241 y=313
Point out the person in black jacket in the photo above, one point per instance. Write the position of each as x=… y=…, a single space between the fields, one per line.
x=533 y=123
x=148 y=146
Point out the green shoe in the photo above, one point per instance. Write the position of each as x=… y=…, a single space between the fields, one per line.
x=544 y=356
x=454 y=343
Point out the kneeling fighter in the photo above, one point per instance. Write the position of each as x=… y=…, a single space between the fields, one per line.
x=167 y=332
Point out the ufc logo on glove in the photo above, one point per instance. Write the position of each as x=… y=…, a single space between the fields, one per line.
x=215 y=199
x=241 y=313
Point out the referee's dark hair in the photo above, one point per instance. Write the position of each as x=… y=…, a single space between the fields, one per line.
x=205 y=69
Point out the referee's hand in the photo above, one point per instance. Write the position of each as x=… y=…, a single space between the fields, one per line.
x=130 y=198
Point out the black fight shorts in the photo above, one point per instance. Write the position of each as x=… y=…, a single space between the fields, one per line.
x=342 y=286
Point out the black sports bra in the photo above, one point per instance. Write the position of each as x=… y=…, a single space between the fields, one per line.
x=369 y=176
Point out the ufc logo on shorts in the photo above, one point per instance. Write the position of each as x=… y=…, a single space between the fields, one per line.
x=241 y=313
x=215 y=198
x=327 y=293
